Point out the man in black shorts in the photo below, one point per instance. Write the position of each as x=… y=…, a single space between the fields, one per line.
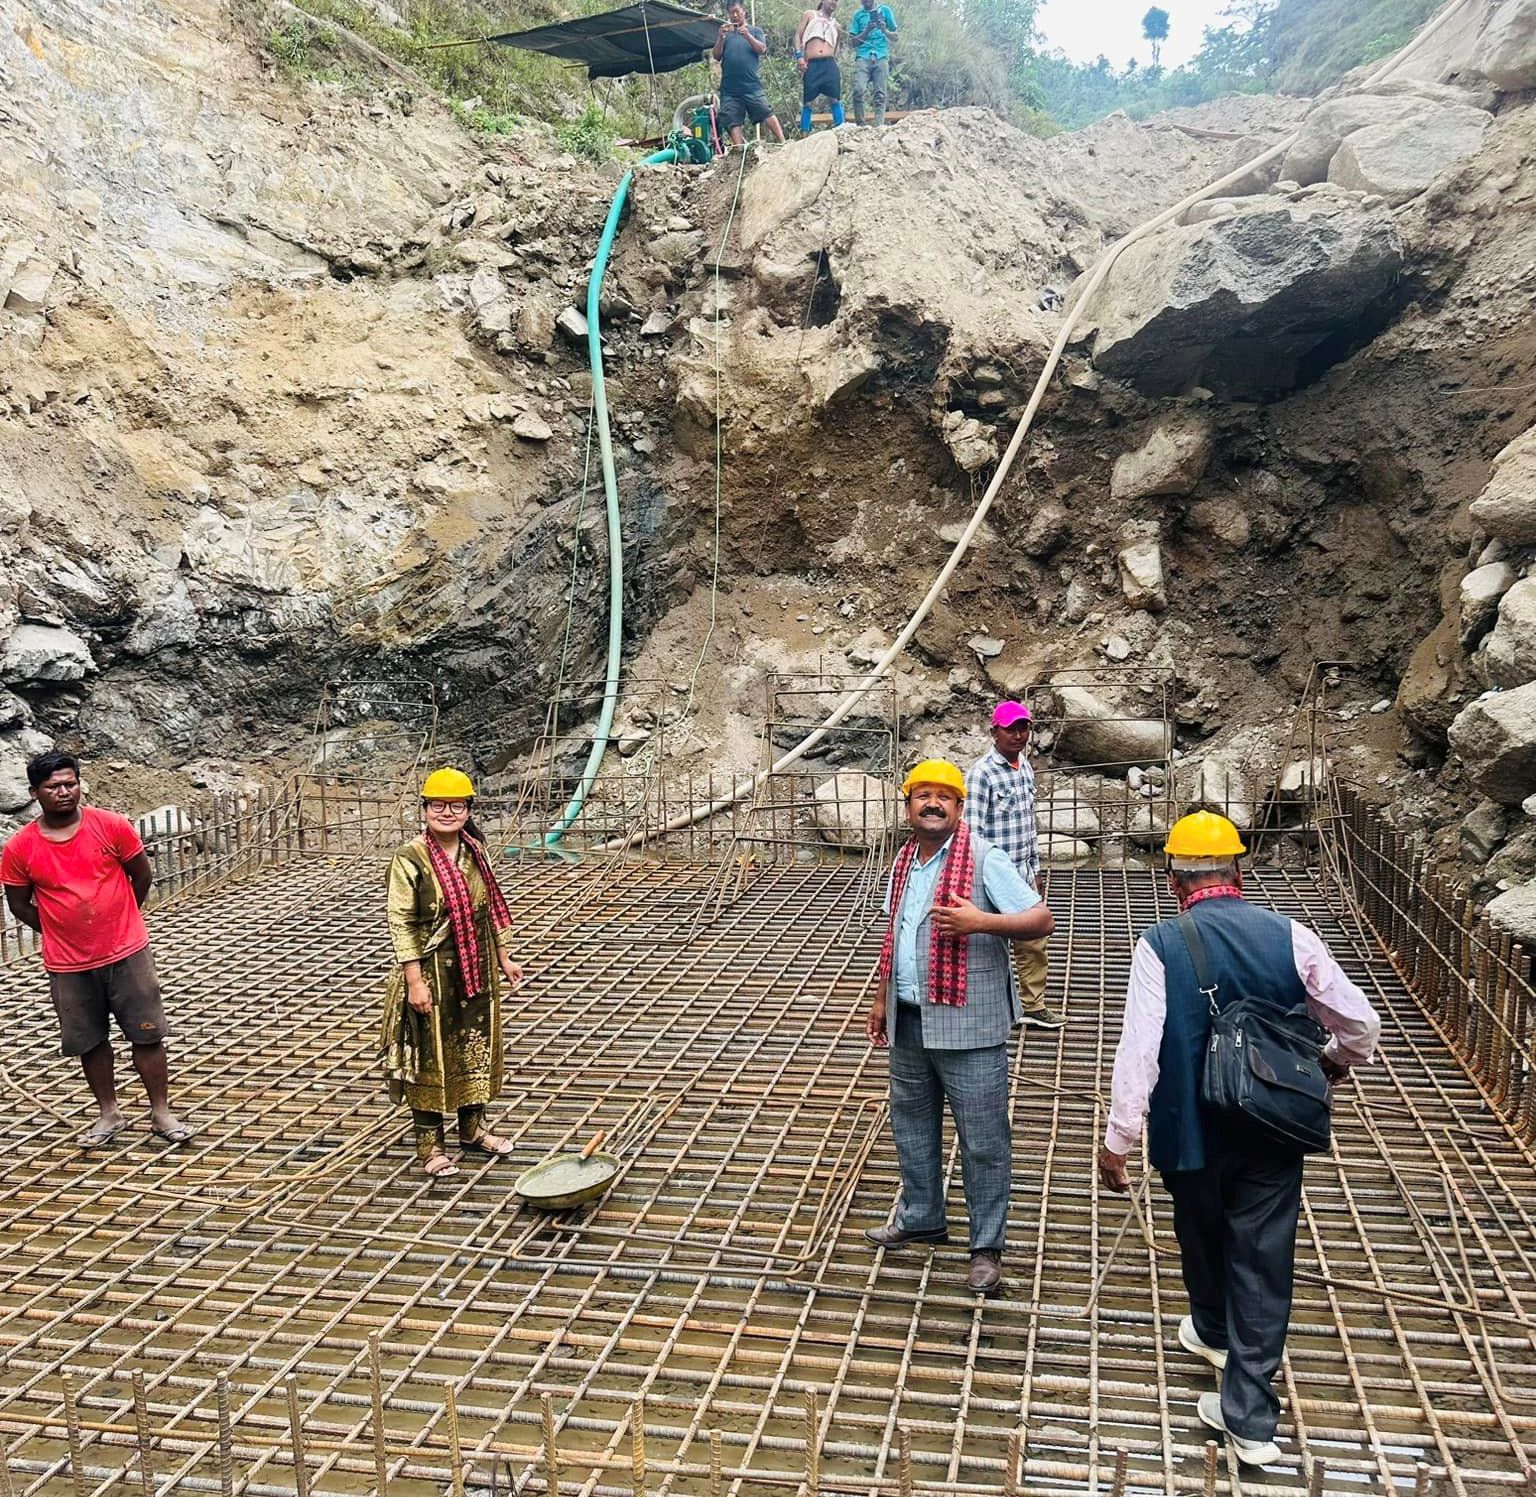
x=738 y=49
x=78 y=875
x=816 y=57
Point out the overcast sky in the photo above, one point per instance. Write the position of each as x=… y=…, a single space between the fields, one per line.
x=1084 y=28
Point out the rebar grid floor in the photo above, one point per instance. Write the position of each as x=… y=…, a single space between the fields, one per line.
x=724 y=1277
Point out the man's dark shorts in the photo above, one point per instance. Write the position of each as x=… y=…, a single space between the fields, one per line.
x=128 y=991
x=736 y=109
x=821 y=78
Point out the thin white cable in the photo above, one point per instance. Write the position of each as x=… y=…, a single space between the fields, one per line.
x=1074 y=315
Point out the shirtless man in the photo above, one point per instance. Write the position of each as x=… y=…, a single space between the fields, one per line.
x=815 y=56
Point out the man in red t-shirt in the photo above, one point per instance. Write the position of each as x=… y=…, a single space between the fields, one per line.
x=79 y=875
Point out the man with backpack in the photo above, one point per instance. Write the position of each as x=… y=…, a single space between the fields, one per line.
x=1223 y=1051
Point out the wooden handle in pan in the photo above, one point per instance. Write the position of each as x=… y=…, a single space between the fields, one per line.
x=594 y=1143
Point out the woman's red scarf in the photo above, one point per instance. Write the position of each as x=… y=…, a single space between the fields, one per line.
x=946 y=954
x=461 y=908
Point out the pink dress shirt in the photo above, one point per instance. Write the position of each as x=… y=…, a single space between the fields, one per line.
x=1332 y=999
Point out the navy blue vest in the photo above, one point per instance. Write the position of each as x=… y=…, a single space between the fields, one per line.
x=1251 y=956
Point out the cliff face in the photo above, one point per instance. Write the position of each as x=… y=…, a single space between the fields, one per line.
x=290 y=392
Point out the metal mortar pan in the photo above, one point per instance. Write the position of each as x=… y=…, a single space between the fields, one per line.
x=565 y=1180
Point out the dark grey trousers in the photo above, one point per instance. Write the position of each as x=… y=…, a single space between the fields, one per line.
x=975 y=1084
x=1236 y=1225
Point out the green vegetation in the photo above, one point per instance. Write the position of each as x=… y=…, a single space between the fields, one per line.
x=950 y=52
x=590 y=137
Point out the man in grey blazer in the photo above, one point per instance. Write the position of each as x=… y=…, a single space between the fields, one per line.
x=953 y=905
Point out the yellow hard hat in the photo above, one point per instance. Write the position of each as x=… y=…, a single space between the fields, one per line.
x=935 y=772
x=1203 y=834
x=447 y=784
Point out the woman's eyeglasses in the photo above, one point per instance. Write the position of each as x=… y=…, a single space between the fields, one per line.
x=452 y=807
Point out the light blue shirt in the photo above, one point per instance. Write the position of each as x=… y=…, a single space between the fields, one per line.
x=1005 y=889
x=874 y=44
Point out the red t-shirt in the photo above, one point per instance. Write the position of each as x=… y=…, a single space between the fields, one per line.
x=90 y=917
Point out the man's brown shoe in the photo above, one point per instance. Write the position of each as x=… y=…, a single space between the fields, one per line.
x=986 y=1275
x=893 y=1237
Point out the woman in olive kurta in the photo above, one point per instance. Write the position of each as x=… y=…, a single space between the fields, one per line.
x=442 y=1006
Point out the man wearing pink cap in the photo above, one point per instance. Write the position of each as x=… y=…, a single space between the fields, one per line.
x=1000 y=806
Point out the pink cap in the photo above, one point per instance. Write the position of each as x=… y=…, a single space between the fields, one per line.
x=1006 y=714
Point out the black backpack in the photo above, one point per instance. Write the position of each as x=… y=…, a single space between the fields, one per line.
x=1263 y=1063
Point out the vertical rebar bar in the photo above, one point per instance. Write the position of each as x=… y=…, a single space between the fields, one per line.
x=226 y=1437
x=714 y=1463
x=455 y=1448
x=141 y=1428
x=551 y=1455
x=1122 y=1472
x=72 y=1431
x=376 y=1392
x=1316 y=1476
x=637 y=1444
x=812 y=1445
x=1210 y=1468
x=296 y=1432
x=904 y=1459
x=1016 y=1447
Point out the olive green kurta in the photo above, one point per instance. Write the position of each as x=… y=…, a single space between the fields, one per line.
x=451 y=1057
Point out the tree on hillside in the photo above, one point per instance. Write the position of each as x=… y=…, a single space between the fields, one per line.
x=1154 y=26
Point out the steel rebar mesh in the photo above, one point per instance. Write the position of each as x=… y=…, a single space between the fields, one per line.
x=724 y=1278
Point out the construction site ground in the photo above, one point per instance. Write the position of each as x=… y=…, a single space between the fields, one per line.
x=292 y=1266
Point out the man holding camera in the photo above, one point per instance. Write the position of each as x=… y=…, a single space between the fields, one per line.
x=873 y=25
x=738 y=50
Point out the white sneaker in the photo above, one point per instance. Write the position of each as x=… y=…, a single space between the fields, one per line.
x=1189 y=1339
x=1249 y=1452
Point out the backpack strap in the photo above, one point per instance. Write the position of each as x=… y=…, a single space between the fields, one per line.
x=1194 y=944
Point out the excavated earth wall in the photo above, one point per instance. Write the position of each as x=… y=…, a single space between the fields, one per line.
x=293 y=389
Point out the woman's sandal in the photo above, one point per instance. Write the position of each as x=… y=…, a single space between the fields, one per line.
x=485 y=1145
x=438 y=1165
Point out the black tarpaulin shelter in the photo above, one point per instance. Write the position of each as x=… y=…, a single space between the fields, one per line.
x=651 y=37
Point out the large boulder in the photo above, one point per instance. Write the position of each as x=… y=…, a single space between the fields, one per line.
x=15 y=750
x=1244 y=304
x=1434 y=686
x=1332 y=122
x=1141 y=572
x=1172 y=460
x=853 y=810
x=43 y=652
x=1483 y=829
x=1509 y=653
x=1094 y=731
x=1481 y=590
x=1488 y=40
x=1515 y=911
x=1400 y=158
x=1495 y=738
x=1506 y=508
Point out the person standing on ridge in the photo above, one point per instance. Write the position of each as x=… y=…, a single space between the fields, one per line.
x=953 y=904
x=1000 y=805
x=79 y=875
x=872 y=27
x=816 y=57
x=739 y=49
x=1236 y=1186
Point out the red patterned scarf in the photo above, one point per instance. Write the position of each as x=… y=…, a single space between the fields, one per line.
x=1212 y=891
x=946 y=954
x=461 y=908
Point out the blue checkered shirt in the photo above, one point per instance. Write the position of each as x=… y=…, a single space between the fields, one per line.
x=1000 y=805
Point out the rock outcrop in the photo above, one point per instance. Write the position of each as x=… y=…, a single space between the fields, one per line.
x=1248 y=305
x=1496 y=739
x=1506 y=508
